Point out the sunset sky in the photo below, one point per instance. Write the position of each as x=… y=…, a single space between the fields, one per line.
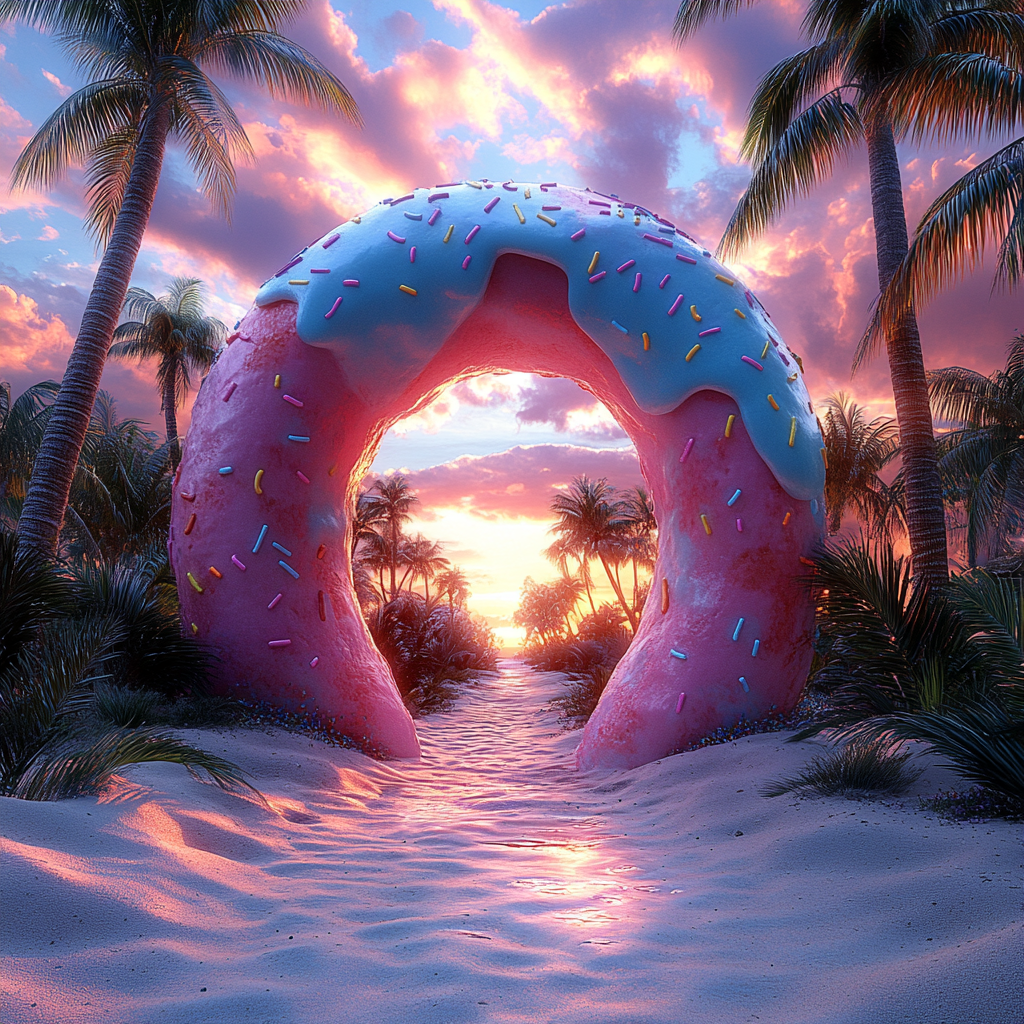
x=591 y=93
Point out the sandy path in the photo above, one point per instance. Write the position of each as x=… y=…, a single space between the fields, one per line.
x=492 y=883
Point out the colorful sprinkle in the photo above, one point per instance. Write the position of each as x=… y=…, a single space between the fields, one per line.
x=707 y=525
x=734 y=498
x=753 y=652
x=234 y=558
x=472 y=233
x=280 y=547
x=492 y=204
x=547 y=220
x=752 y=362
x=350 y=282
x=438 y=195
x=302 y=476
x=677 y=654
x=710 y=330
x=664 y=281
x=412 y=254
x=626 y=265
x=740 y=314
x=739 y=525
x=764 y=351
x=414 y=216
x=320 y=606
x=230 y=391
x=655 y=238
x=292 y=401
x=216 y=573
x=577 y=235
x=333 y=309
x=728 y=424
x=786 y=518
x=405 y=288
x=196 y=586
x=736 y=631
x=685 y=259
x=615 y=323
x=288 y=266
x=256 y=483
x=593 y=262
x=396 y=238
x=277 y=381
x=664 y=596
x=675 y=305
x=259 y=539
x=225 y=470
x=273 y=604
x=431 y=220
x=190 y=525
x=792 y=431
x=313 y=664
x=693 y=351
x=320 y=551
x=330 y=241
x=681 y=701
x=288 y=569
x=743 y=681
x=519 y=213
x=774 y=404
x=728 y=280
x=278 y=643
x=647 y=341
x=474 y=184
x=597 y=276
x=466 y=262
x=824 y=457
x=696 y=316
x=636 y=282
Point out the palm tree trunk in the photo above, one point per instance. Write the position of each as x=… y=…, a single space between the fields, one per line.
x=926 y=523
x=54 y=468
x=586 y=583
x=618 y=593
x=393 y=555
x=171 y=421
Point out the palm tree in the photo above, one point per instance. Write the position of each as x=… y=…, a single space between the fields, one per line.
x=862 y=55
x=983 y=459
x=453 y=584
x=559 y=552
x=390 y=507
x=857 y=451
x=145 y=61
x=174 y=330
x=21 y=430
x=425 y=561
x=642 y=527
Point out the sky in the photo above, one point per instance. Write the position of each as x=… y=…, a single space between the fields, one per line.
x=589 y=93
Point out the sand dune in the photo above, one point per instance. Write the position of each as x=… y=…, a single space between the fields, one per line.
x=491 y=882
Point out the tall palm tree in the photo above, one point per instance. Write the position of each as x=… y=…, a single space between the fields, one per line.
x=983 y=458
x=453 y=584
x=425 y=561
x=814 y=107
x=145 y=60
x=560 y=551
x=174 y=330
x=21 y=431
x=642 y=528
x=391 y=507
x=857 y=449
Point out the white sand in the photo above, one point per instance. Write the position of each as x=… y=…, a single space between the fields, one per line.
x=493 y=883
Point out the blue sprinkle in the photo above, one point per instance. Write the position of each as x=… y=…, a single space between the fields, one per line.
x=259 y=540
x=732 y=500
x=677 y=654
x=814 y=506
x=746 y=689
x=284 y=551
x=224 y=470
x=288 y=569
x=736 y=631
x=615 y=323
x=667 y=231
x=295 y=437
x=753 y=653
x=414 y=216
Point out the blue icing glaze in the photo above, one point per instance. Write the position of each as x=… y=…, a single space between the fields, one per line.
x=384 y=336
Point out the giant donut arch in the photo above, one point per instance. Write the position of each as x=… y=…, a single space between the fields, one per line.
x=373 y=320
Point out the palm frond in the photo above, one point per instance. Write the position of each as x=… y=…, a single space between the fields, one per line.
x=107 y=172
x=693 y=14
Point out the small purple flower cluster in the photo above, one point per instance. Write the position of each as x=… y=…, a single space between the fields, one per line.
x=811 y=705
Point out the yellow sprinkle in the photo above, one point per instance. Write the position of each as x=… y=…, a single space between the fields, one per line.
x=728 y=424
x=593 y=263
x=357 y=220
x=256 y=483
x=792 y=377
x=519 y=214
x=474 y=184
x=824 y=457
x=405 y=288
x=195 y=628
x=773 y=403
x=636 y=220
x=298 y=282
x=664 y=596
x=547 y=220
x=526 y=193
x=332 y=470
x=277 y=381
x=764 y=351
x=647 y=341
x=696 y=316
x=728 y=280
x=785 y=522
x=215 y=572
x=621 y=214
x=195 y=586
x=448 y=233
x=693 y=351
x=707 y=525
x=740 y=314
x=792 y=431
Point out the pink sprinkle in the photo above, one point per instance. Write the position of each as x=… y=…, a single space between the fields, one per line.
x=598 y=276
x=412 y=254
x=626 y=266
x=680 y=703
x=288 y=266
x=750 y=299
x=660 y=241
x=273 y=604
x=330 y=241
x=753 y=362
x=710 y=330
x=578 y=235
x=230 y=391
x=492 y=204
x=278 y=643
x=685 y=259
x=597 y=202
x=433 y=217
x=234 y=558
x=472 y=233
x=314 y=663
x=739 y=525
x=396 y=238
x=395 y=202
x=509 y=187
x=437 y=195
x=333 y=309
x=549 y=184
x=302 y=476
x=550 y=207
x=686 y=450
x=350 y=282
x=318 y=271
x=675 y=305
x=664 y=281
x=292 y=401
x=465 y=263
x=636 y=282
x=605 y=213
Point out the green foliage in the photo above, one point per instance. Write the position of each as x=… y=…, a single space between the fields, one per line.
x=876 y=766
x=124 y=708
x=21 y=429
x=583 y=691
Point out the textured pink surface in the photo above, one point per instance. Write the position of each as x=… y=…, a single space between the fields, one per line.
x=522 y=324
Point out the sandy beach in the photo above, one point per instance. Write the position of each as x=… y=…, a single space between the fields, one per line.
x=492 y=882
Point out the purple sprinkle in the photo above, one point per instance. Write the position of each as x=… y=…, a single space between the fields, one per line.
x=750 y=299
x=509 y=187
x=395 y=202
x=438 y=195
x=706 y=253
x=273 y=604
x=550 y=207
x=597 y=202
x=636 y=282
x=288 y=266
x=578 y=235
x=675 y=305
x=234 y=558
x=626 y=265
x=396 y=238
x=278 y=643
x=667 y=223
x=667 y=231
x=686 y=450
x=472 y=233
x=465 y=262
x=664 y=281
x=230 y=391
x=350 y=282
x=318 y=271
x=605 y=213
x=414 y=216
x=753 y=362
x=330 y=241
x=333 y=309
x=660 y=241
x=685 y=259
x=435 y=214
x=412 y=254
x=292 y=401
x=492 y=204
x=598 y=276
x=680 y=703
x=549 y=184
x=314 y=663
x=710 y=330
x=739 y=525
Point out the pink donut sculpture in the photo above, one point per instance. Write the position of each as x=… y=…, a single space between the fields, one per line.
x=372 y=321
